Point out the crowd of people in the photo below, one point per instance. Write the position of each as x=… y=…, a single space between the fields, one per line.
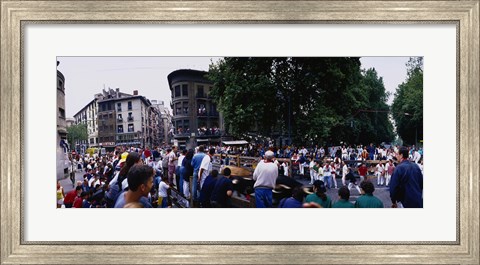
x=134 y=177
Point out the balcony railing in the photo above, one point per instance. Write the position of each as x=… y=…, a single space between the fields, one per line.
x=119 y=119
x=130 y=118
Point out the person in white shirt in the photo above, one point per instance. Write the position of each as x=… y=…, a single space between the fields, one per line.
x=286 y=173
x=320 y=172
x=312 y=171
x=327 y=173
x=205 y=167
x=344 y=153
x=265 y=176
x=380 y=173
x=344 y=172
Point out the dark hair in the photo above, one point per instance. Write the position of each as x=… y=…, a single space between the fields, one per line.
x=214 y=173
x=367 y=187
x=201 y=148
x=403 y=151
x=78 y=188
x=298 y=194
x=184 y=151
x=138 y=175
x=189 y=154
x=320 y=186
x=132 y=159
x=211 y=151
x=344 y=193
x=227 y=171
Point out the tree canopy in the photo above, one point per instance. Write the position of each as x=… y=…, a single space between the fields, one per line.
x=407 y=107
x=77 y=132
x=312 y=99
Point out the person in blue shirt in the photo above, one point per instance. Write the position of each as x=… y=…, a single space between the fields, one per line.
x=207 y=189
x=140 y=182
x=296 y=201
x=196 y=163
x=406 y=184
x=223 y=190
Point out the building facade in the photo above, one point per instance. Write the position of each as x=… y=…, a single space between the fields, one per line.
x=195 y=117
x=61 y=144
x=88 y=115
x=164 y=122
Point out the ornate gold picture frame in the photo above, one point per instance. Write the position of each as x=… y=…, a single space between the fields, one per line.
x=465 y=14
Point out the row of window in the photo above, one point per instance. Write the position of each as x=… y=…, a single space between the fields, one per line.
x=105 y=106
x=182 y=91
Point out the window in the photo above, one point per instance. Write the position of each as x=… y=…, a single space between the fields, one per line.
x=120 y=117
x=185 y=90
x=200 y=92
x=109 y=107
x=61 y=113
x=129 y=105
x=130 y=128
x=120 y=129
x=119 y=106
x=177 y=91
x=110 y=115
x=130 y=117
x=91 y=140
x=104 y=107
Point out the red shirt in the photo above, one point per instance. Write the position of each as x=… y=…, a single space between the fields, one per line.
x=362 y=171
x=78 y=202
x=70 y=197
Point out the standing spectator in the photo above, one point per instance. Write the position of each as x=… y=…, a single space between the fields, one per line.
x=187 y=173
x=333 y=171
x=368 y=200
x=207 y=188
x=196 y=163
x=362 y=171
x=406 y=185
x=380 y=173
x=327 y=174
x=60 y=195
x=344 y=195
x=265 y=175
x=146 y=155
x=163 y=188
x=312 y=170
x=344 y=172
x=140 y=182
x=389 y=168
x=205 y=167
x=223 y=190
x=165 y=162
x=179 y=175
x=371 y=152
x=172 y=159
x=319 y=195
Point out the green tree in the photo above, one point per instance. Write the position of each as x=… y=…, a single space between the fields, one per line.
x=310 y=98
x=407 y=107
x=77 y=132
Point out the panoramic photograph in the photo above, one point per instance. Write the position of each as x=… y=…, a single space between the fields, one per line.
x=239 y=132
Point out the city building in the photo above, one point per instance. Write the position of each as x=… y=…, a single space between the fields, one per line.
x=195 y=116
x=62 y=145
x=88 y=115
x=165 y=122
x=115 y=118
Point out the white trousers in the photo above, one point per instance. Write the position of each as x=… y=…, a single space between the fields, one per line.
x=351 y=185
